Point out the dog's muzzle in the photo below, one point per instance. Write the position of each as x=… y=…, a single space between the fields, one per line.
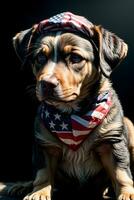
x=48 y=84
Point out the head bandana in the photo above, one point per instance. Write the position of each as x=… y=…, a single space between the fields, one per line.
x=65 y=21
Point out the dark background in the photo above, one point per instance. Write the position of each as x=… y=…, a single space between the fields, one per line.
x=17 y=107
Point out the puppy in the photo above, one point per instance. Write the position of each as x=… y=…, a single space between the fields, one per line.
x=80 y=127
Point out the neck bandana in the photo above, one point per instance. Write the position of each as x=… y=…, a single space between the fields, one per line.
x=73 y=129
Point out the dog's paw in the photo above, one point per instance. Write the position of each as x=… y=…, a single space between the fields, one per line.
x=42 y=194
x=127 y=194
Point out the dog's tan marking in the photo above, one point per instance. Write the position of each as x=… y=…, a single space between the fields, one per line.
x=46 y=50
x=67 y=49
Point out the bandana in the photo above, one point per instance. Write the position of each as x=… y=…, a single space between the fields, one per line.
x=73 y=129
x=65 y=21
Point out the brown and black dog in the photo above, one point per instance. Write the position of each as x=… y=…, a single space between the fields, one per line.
x=80 y=126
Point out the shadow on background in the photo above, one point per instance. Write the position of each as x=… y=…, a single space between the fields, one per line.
x=18 y=108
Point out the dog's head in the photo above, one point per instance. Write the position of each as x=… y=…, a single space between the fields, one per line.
x=68 y=55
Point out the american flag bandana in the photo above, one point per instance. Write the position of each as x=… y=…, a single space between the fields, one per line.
x=73 y=129
x=65 y=21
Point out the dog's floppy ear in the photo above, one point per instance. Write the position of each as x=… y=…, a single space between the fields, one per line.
x=111 y=49
x=21 y=43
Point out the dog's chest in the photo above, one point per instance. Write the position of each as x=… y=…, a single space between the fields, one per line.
x=81 y=164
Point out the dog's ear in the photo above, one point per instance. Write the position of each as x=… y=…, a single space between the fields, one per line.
x=21 y=43
x=111 y=49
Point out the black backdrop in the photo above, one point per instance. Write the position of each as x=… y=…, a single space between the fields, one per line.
x=17 y=107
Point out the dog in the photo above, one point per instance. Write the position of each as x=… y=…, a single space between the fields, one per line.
x=80 y=128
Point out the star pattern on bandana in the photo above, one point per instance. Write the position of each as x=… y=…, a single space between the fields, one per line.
x=55 y=120
x=52 y=125
x=52 y=119
x=64 y=126
x=57 y=116
x=57 y=18
x=47 y=113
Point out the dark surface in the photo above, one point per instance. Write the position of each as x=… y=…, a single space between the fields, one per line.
x=7 y=198
x=18 y=107
x=87 y=192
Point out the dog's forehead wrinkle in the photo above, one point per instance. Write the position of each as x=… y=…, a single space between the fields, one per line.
x=76 y=40
x=47 y=40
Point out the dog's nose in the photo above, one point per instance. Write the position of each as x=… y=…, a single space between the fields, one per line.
x=49 y=82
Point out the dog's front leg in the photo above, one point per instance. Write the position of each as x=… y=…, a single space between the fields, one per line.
x=120 y=176
x=43 y=182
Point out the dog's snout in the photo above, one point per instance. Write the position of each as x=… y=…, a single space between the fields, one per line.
x=50 y=82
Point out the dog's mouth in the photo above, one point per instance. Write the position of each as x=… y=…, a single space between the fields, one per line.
x=45 y=92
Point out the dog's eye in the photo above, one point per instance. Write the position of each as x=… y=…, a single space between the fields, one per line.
x=75 y=58
x=41 y=58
